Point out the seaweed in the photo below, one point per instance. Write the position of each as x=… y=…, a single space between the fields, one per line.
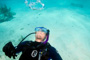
x=6 y=14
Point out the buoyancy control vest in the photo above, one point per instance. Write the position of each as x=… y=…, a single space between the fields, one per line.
x=35 y=51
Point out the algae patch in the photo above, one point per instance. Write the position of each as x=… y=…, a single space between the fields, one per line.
x=6 y=14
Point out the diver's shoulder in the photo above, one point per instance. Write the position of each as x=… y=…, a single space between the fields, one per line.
x=48 y=45
x=52 y=48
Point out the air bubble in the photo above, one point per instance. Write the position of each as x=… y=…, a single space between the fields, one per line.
x=38 y=5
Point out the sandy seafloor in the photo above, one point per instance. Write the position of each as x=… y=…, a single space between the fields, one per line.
x=68 y=21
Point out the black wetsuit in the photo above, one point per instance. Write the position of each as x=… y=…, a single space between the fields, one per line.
x=53 y=54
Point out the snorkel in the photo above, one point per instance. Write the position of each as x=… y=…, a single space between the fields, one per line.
x=47 y=37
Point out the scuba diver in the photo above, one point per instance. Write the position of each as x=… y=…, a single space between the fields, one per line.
x=40 y=49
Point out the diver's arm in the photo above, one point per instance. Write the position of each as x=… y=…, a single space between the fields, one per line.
x=20 y=47
x=54 y=54
x=11 y=51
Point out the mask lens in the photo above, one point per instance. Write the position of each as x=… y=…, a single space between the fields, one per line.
x=37 y=29
x=41 y=29
x=44 y=30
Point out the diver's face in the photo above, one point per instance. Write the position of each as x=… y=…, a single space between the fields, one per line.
x=40 y=36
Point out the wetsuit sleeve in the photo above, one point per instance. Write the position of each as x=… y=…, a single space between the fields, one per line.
x=54 y=54
x=20 y=47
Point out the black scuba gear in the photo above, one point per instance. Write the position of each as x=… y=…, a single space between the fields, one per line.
x=38 y=51
x=35 y=51
x=9 y=50
x=25 y=46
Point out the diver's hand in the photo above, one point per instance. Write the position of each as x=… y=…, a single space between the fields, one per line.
x=14 y=55
x=9 y=50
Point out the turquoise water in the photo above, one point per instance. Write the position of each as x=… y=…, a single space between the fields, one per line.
x=68 y=21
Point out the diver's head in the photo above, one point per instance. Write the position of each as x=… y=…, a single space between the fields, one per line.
x=41 y=34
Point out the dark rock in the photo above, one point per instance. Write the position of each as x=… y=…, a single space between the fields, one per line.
x=5 y=14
